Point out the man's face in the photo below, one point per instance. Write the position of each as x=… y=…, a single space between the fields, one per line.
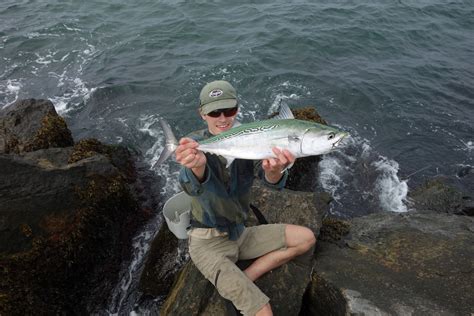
x=217 y=125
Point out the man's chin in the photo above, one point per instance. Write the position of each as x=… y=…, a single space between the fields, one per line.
x=222 y=129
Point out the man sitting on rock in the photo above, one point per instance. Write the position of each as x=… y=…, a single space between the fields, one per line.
x=220 y=202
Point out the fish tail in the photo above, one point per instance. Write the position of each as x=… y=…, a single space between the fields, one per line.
x=170 y=145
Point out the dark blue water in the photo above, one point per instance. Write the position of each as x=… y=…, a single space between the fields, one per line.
x=397 y=74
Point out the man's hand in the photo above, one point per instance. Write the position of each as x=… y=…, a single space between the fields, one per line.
x=190 y=157
x=274 y=166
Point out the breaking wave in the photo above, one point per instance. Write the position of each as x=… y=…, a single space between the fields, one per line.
x=361 y=181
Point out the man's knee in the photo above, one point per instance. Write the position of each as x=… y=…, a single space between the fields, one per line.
x=300 y=236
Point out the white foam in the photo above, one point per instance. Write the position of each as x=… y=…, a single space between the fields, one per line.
x=11 y=89
x=76 y=93
x=32 y=35
x=392 y=190
x=71 y=28
x=469 y=145
x=329 y=176
x=140 y=246
x=361 y=180
x=44 y=60
x=148 y=125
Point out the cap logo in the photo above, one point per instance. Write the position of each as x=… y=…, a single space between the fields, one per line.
x=215 y=93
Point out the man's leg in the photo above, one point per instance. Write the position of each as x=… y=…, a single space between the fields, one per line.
x=215 y=259
x=299 y=240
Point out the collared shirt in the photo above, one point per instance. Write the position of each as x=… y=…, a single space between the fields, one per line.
x=222 y=199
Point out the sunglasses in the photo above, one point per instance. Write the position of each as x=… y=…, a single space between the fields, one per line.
x=227 y=112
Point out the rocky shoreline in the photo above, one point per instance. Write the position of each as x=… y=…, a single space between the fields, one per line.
x=68 y=211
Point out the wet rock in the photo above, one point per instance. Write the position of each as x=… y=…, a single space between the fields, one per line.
x=191 y=294
x=160 y=267
x=29 y=125
x=417 y=263
x=65 y=225
x=333 y=230
x=437 y=196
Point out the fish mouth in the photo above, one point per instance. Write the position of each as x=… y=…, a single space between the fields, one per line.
x=338 y=142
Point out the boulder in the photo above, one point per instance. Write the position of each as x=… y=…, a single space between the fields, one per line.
x=67 y=214
x=160 y=266
x=416 y=263
x=29 y=125
x=192 y=294
x=437 y=196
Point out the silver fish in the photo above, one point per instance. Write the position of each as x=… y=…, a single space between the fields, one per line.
x=255 y=140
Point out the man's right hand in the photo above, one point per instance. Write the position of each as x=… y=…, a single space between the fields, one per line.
x=190 y=157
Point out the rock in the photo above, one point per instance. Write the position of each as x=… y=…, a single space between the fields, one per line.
x=303 y=175
x=65 y=224
x=160 y=267
x=417 y=263
x=29 y=125
x=191 y=294
x=333 y=230
x=31 y=191
x=435 y=195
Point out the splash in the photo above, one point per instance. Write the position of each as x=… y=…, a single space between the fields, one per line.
x=361 y=181
x=11 y=89
x=125 y=293
x=392 y=191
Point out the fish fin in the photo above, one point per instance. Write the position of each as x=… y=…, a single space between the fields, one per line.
x=236 y=124
x=170 y=145
x=288 y=167
x=230 y=160
x=285 y=113
x=293 y=138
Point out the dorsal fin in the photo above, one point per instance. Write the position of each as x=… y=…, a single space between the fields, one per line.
x=285 y=113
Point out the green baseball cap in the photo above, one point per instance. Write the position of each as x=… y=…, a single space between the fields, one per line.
x=217 y=95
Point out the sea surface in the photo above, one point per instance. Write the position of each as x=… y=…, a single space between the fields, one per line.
x=398 y=75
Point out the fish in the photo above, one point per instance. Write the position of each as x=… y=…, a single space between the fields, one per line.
x=255 y=140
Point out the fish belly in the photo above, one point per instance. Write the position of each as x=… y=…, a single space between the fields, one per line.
x=249 y=147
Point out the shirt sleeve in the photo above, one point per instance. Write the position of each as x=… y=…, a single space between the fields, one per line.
x=261 y=174
x=190 y=183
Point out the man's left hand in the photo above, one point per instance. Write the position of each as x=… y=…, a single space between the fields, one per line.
x=273 y=167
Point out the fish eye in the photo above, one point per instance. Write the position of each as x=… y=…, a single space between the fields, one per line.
x=331 y=135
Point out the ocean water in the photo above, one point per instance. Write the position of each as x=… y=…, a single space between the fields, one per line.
x=398 y=75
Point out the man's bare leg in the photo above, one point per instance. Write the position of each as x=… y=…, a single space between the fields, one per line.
x=265 y=311
x=299 y=240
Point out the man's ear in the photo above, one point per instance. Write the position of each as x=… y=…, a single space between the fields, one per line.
x=202 y=115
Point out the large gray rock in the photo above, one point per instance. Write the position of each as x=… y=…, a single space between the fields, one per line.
x=437 y=196
x=29 y=125
x=33 y=189
x=193 y=295
x=160 y=266
x=415 y=263
x=67 y=214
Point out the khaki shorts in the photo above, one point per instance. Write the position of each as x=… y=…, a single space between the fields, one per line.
x=215 y=256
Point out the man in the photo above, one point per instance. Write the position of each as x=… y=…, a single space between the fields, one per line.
x=220 y=202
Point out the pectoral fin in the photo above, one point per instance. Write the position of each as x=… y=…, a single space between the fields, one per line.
x=230 y=160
